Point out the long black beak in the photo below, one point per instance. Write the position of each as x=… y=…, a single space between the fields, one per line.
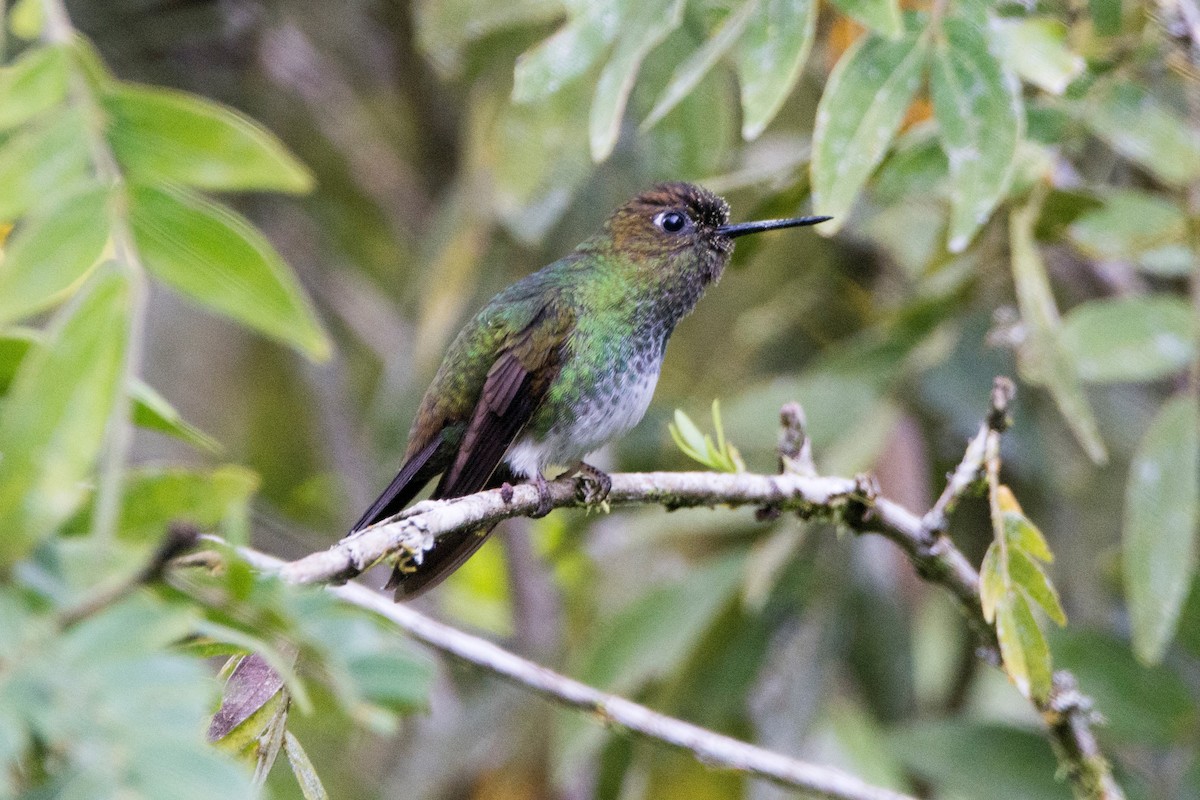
x=744 y=228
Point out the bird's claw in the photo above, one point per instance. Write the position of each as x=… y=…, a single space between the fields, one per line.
x=594 y=486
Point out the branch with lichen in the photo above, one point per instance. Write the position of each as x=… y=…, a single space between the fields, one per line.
x=854 y=503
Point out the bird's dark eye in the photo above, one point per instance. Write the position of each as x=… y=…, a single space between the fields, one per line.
x=671 y=221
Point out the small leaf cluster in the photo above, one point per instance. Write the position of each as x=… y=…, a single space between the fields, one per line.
x=720 y=455
x=1011 y=581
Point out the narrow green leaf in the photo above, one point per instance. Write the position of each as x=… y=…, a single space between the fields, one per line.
x=980 y=120
x=1132 y=225
x=948 y=752
x=688 y=436
x=152 y=412
x=864 y=103
x=166 y=135
x=150 y=409
x=993 y=585
x=1162 y=509
x=53 y=252
x=537 y=154
x=219 y=260
x=1029 y=575
x=647 y=24
x=303 y=769
x=1024 y=535
x=1036 y=49
x=1140 y=127
x=32 y=84
x=54 y=420
x=445 y=28
x=770 y=57
x=1130 y=338
x=1023 y=647
x=44 y=163
x=1011 y=649
x=691 y=71
x=881 y=16
x=571 y=51
x=1043 y=361
x=653 y=633
x=157 y=497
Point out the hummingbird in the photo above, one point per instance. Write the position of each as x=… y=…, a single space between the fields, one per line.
x=560 y=363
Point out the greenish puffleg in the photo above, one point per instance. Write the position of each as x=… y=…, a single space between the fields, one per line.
x=561 y=362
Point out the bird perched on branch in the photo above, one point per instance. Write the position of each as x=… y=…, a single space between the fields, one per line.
x=561 y=362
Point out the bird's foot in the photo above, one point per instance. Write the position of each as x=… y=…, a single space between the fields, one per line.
x=594 y=486
x=545 y=502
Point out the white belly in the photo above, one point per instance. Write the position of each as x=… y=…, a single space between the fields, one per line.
x=612 y=412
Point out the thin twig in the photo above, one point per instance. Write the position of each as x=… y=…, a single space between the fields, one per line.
x=969 y=471
x=713 y=749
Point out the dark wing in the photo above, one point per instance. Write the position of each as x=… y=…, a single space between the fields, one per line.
x=409 y=481
x=514 y=389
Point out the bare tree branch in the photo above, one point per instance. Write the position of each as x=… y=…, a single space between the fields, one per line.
x=855 y=503
x=713 y=749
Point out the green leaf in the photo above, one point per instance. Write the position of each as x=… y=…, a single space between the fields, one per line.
x=1129 y=226
x=1018 y=764
x=571 y=51
x=980 y=120
x=864 y=103
x=881 y=16
x=32 y=84
x=653 y=633
x=150 y=409
x=1162 y=509
x=1138 y=126
x=43 y=164
x=1043 y=360
x=303 y=769
x=1036 y=49
x=696 y=139
x=687 y=435
x=165 y=135
x=51 y=253
x=446 y=27
x=1024 y=535
x=1023 y=647
x=647 y=24
x=538 y=157
x=1029 y=575
x=53 y=423
x=688 y=74
x=152 y=412
x=1130 y=338
x=218 y=259
x=1143 y=705
x=155 y=497
x=770 y=57
x=993 y=583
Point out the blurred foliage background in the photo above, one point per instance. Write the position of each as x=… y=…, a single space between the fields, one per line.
x=1017 y=191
